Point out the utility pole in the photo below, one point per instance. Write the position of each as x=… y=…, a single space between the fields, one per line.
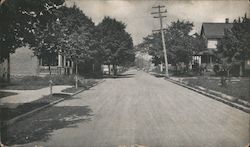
x=161 y=16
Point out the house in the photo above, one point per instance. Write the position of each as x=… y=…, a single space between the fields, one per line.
x=24 y=63
x=212 y=33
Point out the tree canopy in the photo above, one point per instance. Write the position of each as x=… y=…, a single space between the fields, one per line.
x=116 y=44
x=78 y=40
x=179 y=43
x=19 y=18
x=234 y=47
x=48 y=27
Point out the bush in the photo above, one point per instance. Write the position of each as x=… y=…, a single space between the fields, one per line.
x=216 y=69
x=62 y=79
x=36 y=80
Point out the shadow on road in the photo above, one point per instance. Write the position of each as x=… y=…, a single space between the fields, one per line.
x=158 y=75
x=40 y=125
x=118 y=76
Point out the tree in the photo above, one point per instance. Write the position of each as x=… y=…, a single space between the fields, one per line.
x=180 y=44
x=69 y=33
x=77 y=40
x=116 y=43
x=18 y=18
x=9 y=40
x=234 y=47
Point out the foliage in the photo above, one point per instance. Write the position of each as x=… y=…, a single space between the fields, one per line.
x=234 y=47
x=115 y=42
x=76 y=39
x=19 y=18
x=49 y=28
x=180 y=44
x=8 y=38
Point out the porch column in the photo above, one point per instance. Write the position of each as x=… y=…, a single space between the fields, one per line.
x=71 y=68
x=68 y=63
x=59 y=67
x=64 y=65
x=59 y=60
x=199 y=58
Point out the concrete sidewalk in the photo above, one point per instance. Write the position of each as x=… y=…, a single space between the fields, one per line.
x=25 y=96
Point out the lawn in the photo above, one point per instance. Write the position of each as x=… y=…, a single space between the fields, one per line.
x=239 y=88
x=84 y=85
x=11 y=111
x=5 y=94
x=36 y=82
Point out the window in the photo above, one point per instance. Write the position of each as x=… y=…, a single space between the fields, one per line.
x=212 y=44
x=51 y=59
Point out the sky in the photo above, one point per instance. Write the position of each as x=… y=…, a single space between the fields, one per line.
x=136 y=14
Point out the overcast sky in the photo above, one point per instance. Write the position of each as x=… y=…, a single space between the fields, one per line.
x=136 y=13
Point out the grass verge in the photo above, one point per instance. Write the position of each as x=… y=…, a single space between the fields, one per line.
x=36 y=82
x=83 y=85
x=10 y=111
x=5 y=94
x=239 y=88
x=73 y=89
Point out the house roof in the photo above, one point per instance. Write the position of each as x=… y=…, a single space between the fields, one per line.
x=215 y=30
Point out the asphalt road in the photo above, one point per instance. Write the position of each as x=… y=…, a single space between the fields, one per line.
x=138 y=108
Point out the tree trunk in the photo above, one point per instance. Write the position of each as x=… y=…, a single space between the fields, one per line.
x=3 y=128
x=8 y=68
x=187 y=67
x=76 y=76
x=115 y=69
x=161 y=67
x=50 y=58
x=176 y=68
x=223 y=81
x=223 y=78
x=109 y=69
x=50 y=81
x=228 y=75
x=242 y=68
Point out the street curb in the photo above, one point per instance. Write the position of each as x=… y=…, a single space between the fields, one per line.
x=15 y=119
x=101 y=81
x=220 y=99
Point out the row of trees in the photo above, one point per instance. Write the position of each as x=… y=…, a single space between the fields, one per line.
x=49 y=27
x=233 y=49
x=180 y=44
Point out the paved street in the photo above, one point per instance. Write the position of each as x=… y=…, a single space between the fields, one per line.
x=138 y=108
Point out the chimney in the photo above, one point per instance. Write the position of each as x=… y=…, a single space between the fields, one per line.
x=227 y=20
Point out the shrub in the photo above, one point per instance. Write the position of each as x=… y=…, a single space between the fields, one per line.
x=62 y=79
x=216 y=69
x=36 y=80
